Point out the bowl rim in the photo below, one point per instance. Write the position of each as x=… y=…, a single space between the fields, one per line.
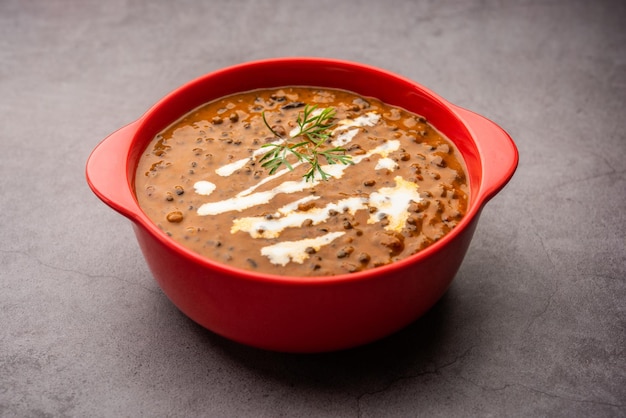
x=138 y=216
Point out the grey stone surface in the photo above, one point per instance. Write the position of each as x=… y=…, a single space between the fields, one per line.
x=535 y=322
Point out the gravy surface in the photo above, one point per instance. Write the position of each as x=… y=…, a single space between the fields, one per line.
x=201 y=182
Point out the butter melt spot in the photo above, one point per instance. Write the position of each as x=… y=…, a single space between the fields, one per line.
x=284 y=252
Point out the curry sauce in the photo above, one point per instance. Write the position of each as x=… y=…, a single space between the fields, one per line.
x=202 y=181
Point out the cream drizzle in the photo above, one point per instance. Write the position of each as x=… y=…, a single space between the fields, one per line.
x=344 y=138
x=369 y=119
x=387 y=163
x=228 y=169
x=296 y=251
x=261 y=227
x=277 y=174
x=241 y=202
x=391 y=202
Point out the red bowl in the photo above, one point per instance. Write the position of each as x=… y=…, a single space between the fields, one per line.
x=304 y=314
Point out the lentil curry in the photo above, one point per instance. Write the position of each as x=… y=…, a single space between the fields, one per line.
x=202 y=182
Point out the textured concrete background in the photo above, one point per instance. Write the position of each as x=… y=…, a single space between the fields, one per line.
x=535 y=322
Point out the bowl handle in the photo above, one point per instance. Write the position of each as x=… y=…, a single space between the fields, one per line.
x=498 y=153
x=107 y=173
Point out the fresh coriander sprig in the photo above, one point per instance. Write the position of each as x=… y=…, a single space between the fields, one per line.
x=314 y=128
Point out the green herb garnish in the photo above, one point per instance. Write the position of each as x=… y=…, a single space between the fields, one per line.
x=315 y=132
